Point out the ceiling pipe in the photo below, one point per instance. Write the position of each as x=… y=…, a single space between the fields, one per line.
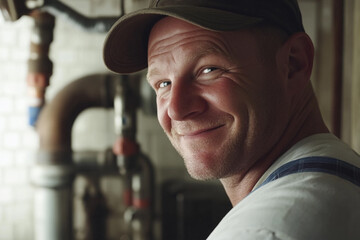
x=12 y=10
x=94 y=24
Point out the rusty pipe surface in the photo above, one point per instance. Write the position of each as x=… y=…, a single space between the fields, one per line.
x=57 y=118
x=39 y=64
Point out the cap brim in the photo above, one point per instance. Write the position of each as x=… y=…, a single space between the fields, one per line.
x=125 y=49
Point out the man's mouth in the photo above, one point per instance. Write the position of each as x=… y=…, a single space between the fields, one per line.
x=199 y=131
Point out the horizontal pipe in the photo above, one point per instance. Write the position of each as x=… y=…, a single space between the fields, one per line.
x=98 y=24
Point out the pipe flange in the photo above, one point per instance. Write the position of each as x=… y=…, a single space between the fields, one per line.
x=52 y=176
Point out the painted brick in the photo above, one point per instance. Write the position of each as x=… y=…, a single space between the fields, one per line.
x=4 y=54
x=19 y=55
x=24 y=230
x=22 y=103
x=15 y=89
x=7 y=231
x=15 y=176
x=8 y=36
x=82 y=6
x=12 y=140
x=17 y=122
x=6 y=195
x=6 y=158
x=3 y=121
x=105 y=8
x=131 y=5
x=25 y=34
x=6 y=105
x=25 y=158
x=24 y=194
x=30 y=140
x=17 y=212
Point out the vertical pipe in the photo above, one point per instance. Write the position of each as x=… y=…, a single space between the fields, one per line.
x=355 y=87
x=39 y=64
x=53 y=202
x=54 y=213
x=338 y=8
x=134 y=167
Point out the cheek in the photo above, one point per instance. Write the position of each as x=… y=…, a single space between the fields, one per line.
x=226 y=96
x=162 y=116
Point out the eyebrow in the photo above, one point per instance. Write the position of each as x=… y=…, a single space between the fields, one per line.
x=200 y=53
x=151 y=73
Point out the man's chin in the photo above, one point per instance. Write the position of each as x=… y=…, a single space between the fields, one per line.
x=200 y=172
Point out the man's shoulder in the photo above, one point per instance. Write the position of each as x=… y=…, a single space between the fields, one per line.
x=298 y=206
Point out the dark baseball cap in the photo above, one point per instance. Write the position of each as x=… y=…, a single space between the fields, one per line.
x=125 y=49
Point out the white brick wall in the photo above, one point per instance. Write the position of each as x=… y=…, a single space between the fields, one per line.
x=16 y=138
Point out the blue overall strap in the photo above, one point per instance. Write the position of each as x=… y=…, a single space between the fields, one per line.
x=317 y=164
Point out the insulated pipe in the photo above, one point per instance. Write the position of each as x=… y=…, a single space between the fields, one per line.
x=54 y=171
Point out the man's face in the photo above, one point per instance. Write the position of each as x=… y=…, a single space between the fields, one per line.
x=220 y=101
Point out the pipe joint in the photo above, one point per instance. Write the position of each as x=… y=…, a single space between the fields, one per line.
x=52 y=176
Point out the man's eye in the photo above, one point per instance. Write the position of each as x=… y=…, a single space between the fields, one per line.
x=209 y=69
x=164 y=84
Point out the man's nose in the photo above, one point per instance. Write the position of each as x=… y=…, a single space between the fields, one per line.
x=185 y=101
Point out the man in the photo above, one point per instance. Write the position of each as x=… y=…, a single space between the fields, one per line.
x=234 y=97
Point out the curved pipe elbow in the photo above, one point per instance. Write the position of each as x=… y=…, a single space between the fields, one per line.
x=56 y=119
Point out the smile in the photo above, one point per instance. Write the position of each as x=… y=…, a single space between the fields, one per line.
x=200 y=132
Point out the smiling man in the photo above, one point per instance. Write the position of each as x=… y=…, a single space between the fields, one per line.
x=234 y=97
x=218 y=98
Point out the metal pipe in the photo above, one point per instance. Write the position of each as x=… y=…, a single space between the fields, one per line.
x=12 y=10
x=133 y=165
x=338 y=11
x=39 y=63
x=54 y=171
x=57 y=118
x=95 y=163
x=98 y=24
x=143 y=199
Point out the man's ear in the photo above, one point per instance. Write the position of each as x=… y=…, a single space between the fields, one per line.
x=298 y=54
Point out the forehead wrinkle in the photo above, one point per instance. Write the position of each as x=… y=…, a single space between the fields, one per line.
x=162 y=44
x=216 y=45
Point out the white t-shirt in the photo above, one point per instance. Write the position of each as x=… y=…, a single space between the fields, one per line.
x=301 y=206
